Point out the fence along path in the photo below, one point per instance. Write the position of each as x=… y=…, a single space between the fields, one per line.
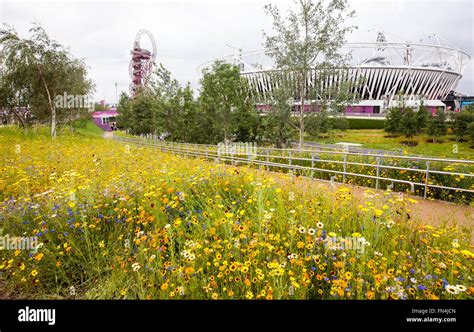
x=309 y=162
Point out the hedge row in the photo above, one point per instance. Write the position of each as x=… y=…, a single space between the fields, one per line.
x=366 y=124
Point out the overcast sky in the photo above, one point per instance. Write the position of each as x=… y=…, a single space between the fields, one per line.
x=189 y=33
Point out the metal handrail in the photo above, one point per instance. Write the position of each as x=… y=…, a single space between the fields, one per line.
x=259 y=162
x=212 y=152
x=453 y=161
x=293 y=150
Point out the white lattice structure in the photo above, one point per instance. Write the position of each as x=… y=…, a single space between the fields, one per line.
x=387 y=70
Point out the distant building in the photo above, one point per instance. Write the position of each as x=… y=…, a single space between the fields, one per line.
x=457 y=102
x=385 y=75
x=106 y=119
x=466 y=100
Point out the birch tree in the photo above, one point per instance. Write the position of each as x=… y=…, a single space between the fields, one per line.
x=35 y=71
x=307 y=45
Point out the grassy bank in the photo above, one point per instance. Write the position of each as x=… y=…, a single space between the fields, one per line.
x=378 y=139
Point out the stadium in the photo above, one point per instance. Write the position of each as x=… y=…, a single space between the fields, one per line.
x=390 y=73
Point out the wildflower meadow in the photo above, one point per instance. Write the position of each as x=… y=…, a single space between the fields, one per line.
x=114 y=221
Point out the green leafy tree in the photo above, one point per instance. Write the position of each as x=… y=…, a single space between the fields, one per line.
x=145 y=112
x=422 y=117
x=248 y=124
x=35 y=72
x=463 y=122
x=309 y=39
x=408 y=123
x=186 y=124
x=100 y=107
x=226 y=105
x=156 y=108
x=393 y=121
x=278 y=123
x=164 y=89
x=470 y=130
x=437 y=125
x=124 y=110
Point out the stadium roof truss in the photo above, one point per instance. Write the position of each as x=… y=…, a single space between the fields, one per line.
x=387 y=69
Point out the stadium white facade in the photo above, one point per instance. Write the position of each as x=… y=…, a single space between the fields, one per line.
x=390 y=73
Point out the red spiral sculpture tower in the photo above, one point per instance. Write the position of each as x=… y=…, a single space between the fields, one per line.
x=142 y=63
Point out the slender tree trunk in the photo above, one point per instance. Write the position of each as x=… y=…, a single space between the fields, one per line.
x=22 y=121
x=53 y=122
x=301 y=125
x=305 y=8
x=51 y=106
x=301 y=115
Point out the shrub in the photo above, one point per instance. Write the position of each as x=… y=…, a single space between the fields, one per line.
x=393 y=121
x=463 y=122
x=366 y=123
x=437 y=125
x=408 y=123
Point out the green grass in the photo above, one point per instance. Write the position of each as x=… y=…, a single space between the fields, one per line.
x=377 y=139
x=88 y=128
x=121 y=133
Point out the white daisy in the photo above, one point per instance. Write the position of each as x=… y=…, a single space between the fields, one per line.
x=451 y=289
x=461 y=288
x=136 y=267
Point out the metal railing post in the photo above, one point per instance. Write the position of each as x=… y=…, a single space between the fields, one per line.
x=426 y=179
x=344 y=168
x=290 y=170
x=267 y=158
x=377 y=173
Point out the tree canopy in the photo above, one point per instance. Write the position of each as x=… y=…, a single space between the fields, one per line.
x=310 y=39
x=36 y=71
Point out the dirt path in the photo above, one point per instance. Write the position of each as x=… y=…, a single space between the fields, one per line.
x=431 y=212
x=108 y=134
x=5 y=294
